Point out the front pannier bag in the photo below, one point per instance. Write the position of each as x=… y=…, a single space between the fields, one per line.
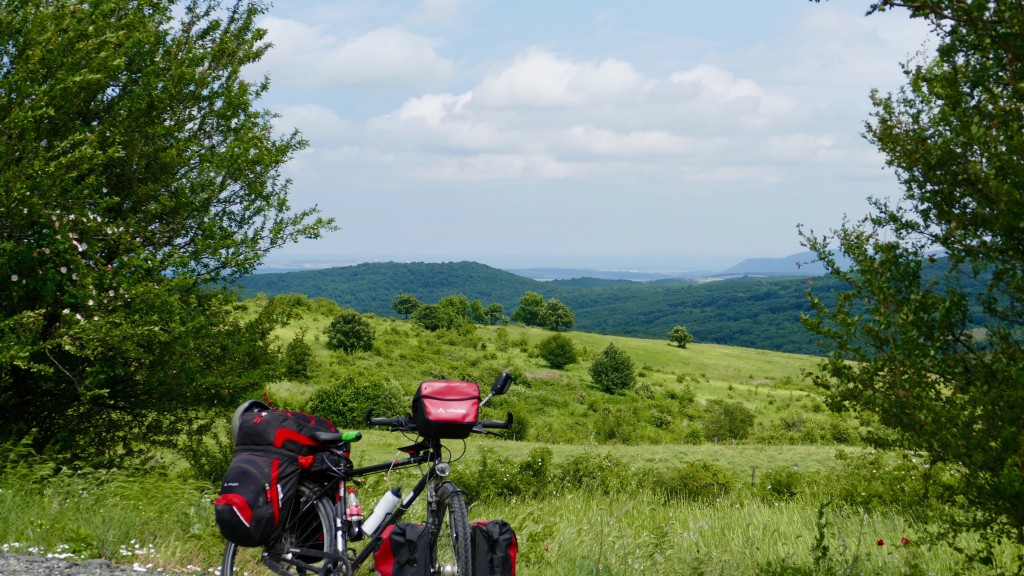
x=494 y=548
x=446 y=408
x=405 y=551
x=272 y=447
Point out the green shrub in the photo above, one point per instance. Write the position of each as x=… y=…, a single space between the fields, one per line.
x=558 y=351
x=782 y=483
x=346 y=402
x=298 y=357
x=350 y=332
x=497 y=476
x=878 y=481
x=693 y=480
x=613 y=370
x=725 y=420
x=601 y=472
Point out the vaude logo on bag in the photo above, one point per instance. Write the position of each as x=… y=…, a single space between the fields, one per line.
x=450 y=410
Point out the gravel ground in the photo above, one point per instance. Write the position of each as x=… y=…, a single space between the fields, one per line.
x=29 y=565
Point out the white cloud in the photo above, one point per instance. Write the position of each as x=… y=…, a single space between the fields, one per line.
x=308 y=56
x=387 y=56
x=540 y=79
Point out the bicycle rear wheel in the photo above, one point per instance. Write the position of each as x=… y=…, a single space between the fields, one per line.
x=451 y=552
x=308 y=526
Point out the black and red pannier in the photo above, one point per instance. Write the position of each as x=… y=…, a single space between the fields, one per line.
x=404 y=551
x=446 y=408
x=494 y=548
x=272 y=448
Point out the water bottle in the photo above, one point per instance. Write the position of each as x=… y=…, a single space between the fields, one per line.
x=386 y=506
x=353 y=514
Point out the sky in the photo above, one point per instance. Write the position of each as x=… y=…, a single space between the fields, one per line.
x=648 y=135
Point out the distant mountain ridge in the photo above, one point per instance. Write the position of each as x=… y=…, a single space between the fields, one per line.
x=750 y=312
x=800 y=264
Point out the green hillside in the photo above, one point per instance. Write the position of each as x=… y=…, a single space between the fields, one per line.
x=750 y=312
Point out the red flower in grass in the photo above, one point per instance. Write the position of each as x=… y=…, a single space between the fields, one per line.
x=880 y=542
x=905 y=541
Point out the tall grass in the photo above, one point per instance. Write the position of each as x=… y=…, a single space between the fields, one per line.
x=637 y=533
x=161 y=519
x=127 y=516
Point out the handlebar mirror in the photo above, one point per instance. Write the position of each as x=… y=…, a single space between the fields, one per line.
x=501 y=384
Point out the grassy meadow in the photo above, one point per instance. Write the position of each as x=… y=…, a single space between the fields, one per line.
x=593 y=483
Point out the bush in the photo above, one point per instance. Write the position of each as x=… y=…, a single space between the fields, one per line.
x=498 y=476
x=694 y=480
x=601 y=472
x=298 y=358
x=727 y=420
x=782 y=483
x=558 y=351
x=350 y=332
x=613 y=370
x=346 y=402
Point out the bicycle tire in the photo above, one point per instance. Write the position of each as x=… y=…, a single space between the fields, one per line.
x=308 y=524
x=451 y=553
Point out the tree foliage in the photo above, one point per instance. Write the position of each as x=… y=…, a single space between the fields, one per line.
x=136 y=174
x=557 y=316
x=680 y=336
x=350 y=332
x=613 y=370
x=450 y=313
x=558 y=350
x=940 y=359
x=530 y=311
x=405 y=304
x=298 y=357
x=726 y=420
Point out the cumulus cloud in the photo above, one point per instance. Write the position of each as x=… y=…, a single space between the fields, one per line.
x=306 y=55
x=540 y=79
x=388 y=56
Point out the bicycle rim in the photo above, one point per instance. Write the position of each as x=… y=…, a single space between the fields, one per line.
x=451 y=552
x=308 y=525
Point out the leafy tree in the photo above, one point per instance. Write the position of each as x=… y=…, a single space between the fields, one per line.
x=557 y=315
x=476 y=312
x=493 y=313
x=680 y=336
x=530 y=311
x=450 y=313
x=350 y=332
x=936 y=343
x=136 y=176
x=405 y=304
x=613 y=370
x=298 y=357
x=558 y=350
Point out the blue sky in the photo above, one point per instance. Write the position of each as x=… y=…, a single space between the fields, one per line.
x=675 y=135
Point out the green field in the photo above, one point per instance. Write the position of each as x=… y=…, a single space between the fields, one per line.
x=626 y=484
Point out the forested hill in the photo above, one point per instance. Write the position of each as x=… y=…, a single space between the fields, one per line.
x=750 y=312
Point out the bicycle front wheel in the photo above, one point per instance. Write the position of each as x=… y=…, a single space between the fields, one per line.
x=308 y=527
x=451 y=552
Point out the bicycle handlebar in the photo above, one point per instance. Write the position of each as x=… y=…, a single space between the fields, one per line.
x=406 y=423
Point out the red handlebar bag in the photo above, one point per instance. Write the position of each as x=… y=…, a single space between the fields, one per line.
x=446 y=409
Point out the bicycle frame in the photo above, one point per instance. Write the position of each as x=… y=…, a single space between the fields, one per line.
x=426 y=451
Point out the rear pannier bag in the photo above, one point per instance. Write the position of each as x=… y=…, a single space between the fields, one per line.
x=446 y=409
x=285 y=429
x=404 y=551
x=256 y=492
x=494 y=548
x=273 y=448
